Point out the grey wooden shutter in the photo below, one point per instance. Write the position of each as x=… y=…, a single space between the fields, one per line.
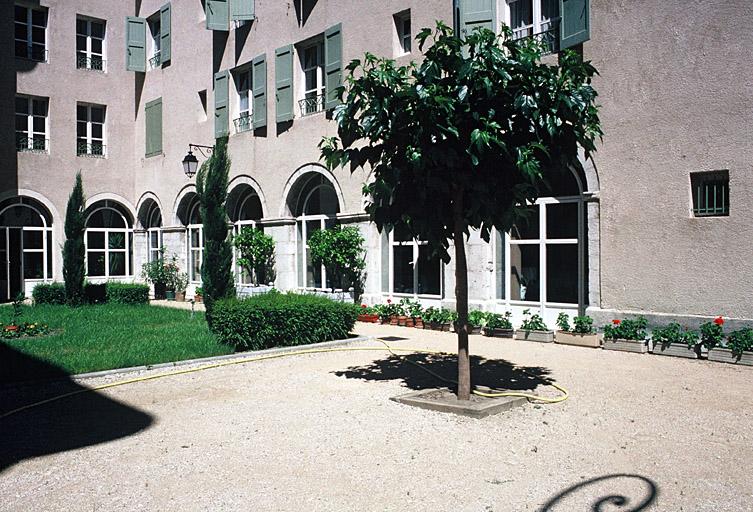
x=477 y=14
x=259 y=79
x=218 y=15
x=153 y=121
x=333 y=65
x=242 y=9
x=221 y=104
x=135 y=44
x=164 y=15
x=284 y=83
x=575 y=26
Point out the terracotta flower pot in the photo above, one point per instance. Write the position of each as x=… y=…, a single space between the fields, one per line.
x=368 y=318
x=409 y=322
x=418 y=323
x=401 y=319
x=180 y=296
x=393 y=320
x=198 y=298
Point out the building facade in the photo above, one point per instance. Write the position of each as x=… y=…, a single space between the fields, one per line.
x=659 y=223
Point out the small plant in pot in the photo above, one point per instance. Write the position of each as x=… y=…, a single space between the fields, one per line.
x=414 y=311
x=476 y=321
x=368 y=315
x=496 y=325
x=198 y=295
x=736 y=348
x=626 y=335
x=406 y=305
x=180 y=283
x=581 y=333
x=533 y=328
x=675 y=340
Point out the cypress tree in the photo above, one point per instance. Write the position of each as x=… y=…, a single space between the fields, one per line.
x=73 y=249
x=211 y=187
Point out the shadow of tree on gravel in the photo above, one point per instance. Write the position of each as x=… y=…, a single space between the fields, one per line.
x=490 y=373
x=85 y=419
x=632 y=493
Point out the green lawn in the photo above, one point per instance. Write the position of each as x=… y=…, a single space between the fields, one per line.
x=92 y=338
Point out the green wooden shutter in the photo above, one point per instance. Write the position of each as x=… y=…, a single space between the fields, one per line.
x=477 y=14
x=218 y=16
x=153 y=135
x=164 y=16
x=221 y=103
x=242 y=9
x=259 y=79
x=135 y=44
x=575 y=27
x=333 y=65
x=284 y=83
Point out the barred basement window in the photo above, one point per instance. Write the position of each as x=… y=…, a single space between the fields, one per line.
x=710 y=193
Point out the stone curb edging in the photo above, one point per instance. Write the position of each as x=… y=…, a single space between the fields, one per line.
x=238 y=355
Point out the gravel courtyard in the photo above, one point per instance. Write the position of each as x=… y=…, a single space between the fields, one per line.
x=319 y=433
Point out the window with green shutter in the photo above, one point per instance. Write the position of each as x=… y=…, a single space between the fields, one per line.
x=153 y=133
x=242 y=10
x=333 y=65
x=284 y=83
x=135 y=44
x=166 y=49
x=259 y=67
x=221 y=104
x=477 y=14
x=575 y=27
x=218 y=15
x=536 y=18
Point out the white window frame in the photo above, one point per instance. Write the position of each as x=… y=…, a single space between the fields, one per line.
x=325 y=222
x=154 y=252
x=538 y=25
x=88 y=54
x=194 y=273
x=416 y=244
x=89 y=138
x=30 y=132
x=127 y=232
x=311 y=100
x=240 y=276
x=47 y=240
x=29 y=30
x=404 y=42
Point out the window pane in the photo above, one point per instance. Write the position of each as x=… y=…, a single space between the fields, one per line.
x=32 y=239
x=22 y=122
x=22 y=106
x=313 y=273
x=97 y=30
x=21 y=31
x=195 y=265
x=402 y=277
x=81 y=129
x=116 y=240
x=96 y=46
x=37 y=35
x=499 y=264
x=524 y=272
x=562 y=273
x=95 y=263
x=81 y=27
x=195 y=238
x=81 y=43
x=39 y=124
x=429 y=272
x=402 y=234
x=33 y=265
x=20 y=14
x=527 y=228
x=154 y=239
x=562 y=220
x=96 y=131
x=22 y=49
x=40 y=107
x=117 y=264
x=38 y=18
x=95 y=240
x=97 y=114
x=49 y=255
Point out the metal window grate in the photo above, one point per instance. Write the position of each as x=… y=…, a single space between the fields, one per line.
x=32 y=144
x=94 y=63
x=710 y=194
x=95 y=149
x=243 y=123
x=155 y=61
x=311 y=105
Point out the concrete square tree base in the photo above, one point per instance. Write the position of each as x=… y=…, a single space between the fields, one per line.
x=444 y=400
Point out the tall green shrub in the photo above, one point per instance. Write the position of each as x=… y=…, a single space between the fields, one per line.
x=257 y=254
x=341 y=251
x=73 y=249
x=217 y=266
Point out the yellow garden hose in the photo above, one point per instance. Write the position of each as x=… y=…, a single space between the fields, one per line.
x=391 y=350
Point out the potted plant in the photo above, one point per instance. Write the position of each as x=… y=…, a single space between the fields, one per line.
x=429 y=317
x=476 y=321
x=737 y=348
x=155 y=273
x=496 y=325
x=414 y=310
x=581 y=334
x=626 y=335
x=180 y=283
x=533 y=328
x=367 y=315
x=675 y=340
x=199 y=294
x=402 y=314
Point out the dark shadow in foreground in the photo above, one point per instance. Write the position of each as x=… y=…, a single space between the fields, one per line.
x=635 y=493
x=70 y=423
x=491 y=373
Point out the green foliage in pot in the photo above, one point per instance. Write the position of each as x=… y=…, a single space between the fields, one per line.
x=626 y=329
x=674 y=333
x=161 y=271
x=712 y=333
x=199 y=291
x=582 y=324
x=497 y=321
x=411 y=307
x=532 y=322
x=740 y=341
x=341 y=251
x=476 y=318
x=180 y=282
x=257 y=254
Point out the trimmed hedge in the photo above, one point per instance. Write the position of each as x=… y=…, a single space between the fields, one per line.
x=127 y=293
x=277 y=320
x=49 y=293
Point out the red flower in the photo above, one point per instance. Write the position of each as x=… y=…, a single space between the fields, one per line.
x=616 y=321
x=719 y=320
x=364 y=306
x=389 y=301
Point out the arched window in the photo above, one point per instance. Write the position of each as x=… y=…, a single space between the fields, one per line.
x=244 y=209
x=313 y=201
x=538 y=263
x=109 y=240
x=25 y=245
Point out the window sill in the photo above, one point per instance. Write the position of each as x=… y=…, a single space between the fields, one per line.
x=33 y=151
x=413 y=295
x=87 y=155
x=152 y=155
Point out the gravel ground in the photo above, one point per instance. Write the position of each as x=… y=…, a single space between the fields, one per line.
x=319 y=433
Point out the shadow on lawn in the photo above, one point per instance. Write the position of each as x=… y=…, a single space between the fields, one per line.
x=491 y=373
x=74 y=422
x=636 y=493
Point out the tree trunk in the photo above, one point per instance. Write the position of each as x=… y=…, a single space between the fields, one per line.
x=461 y=299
